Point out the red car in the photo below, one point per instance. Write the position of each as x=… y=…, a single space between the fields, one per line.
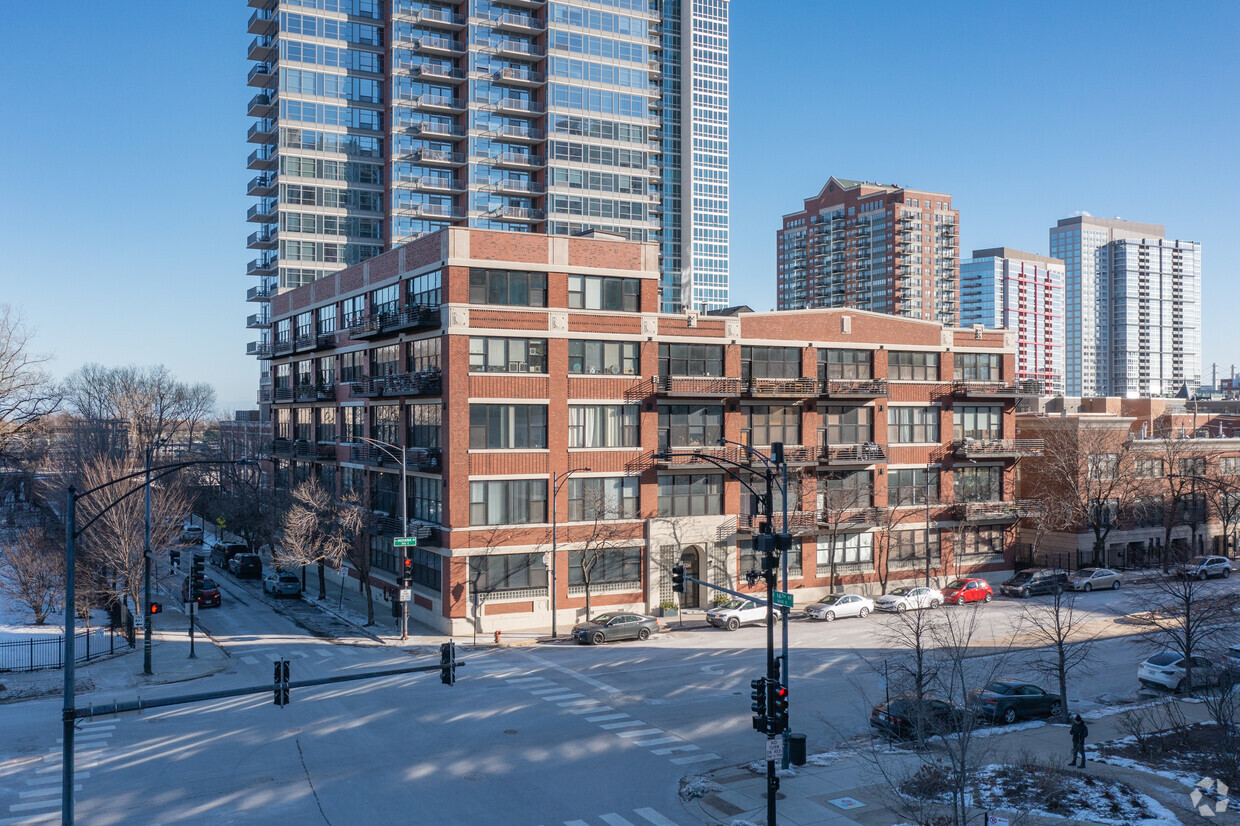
x=968 y=590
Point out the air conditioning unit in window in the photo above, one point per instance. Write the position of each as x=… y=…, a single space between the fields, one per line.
x=518 y=367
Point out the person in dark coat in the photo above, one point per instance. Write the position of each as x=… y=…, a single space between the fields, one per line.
x=1079 y=732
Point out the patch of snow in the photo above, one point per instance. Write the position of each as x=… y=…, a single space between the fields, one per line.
x=17 y=623
x=696 y=786
x=1130 y=807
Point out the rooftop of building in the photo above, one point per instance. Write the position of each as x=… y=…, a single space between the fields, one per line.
x=861 y=189
x=1154 y=230
x=1017 y=255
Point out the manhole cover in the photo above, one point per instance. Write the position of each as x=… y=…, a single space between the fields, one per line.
x=510 y=731
x=474 y=776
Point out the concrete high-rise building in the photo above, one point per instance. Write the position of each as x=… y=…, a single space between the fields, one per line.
x=1132 y=308
x=1022 y=292
x=379 y=122
x=872 y=246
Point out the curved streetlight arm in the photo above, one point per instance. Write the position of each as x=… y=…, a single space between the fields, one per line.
x=749 y=450
x=382 y=445
x=719 y=463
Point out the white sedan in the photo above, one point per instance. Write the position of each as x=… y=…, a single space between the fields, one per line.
x=839 y=605
x=909 y=599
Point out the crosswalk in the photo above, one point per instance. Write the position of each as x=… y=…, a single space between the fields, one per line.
x=641 y=817
x=623 y=725
x=257 y=655
x=40 y=801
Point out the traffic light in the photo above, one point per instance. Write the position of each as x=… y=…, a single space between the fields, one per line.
x=777 y=453
x=678 y=579
x=764 y=543
x=175 y=556
x=447 y=663
x=197 y=576
x=757 y=693
x=779 y=708
x=406 y=572
x=153 y=608
x=281 y=682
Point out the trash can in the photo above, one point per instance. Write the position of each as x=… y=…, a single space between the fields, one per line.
x=796 y=749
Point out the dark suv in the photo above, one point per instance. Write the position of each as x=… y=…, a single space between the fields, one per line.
x=246 y=566
x=1034 y=581
x=222 y=552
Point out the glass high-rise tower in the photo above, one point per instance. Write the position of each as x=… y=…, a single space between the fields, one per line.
x=378 y=121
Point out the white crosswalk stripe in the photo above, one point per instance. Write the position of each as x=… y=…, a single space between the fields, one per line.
x=639 y=817
x=612 y=819
x=654 y=817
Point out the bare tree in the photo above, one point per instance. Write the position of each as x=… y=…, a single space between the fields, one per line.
x=237 y=498
x=1223 y=498
x=598 y=540
x=900 y=509
x=489 y=576
x=198 y=408
x=913 y=669
x=841 y=495
x=1187 y=616
x=1183 y=464
x=352 y=526
x=32 y=571
x=309 y=533
x=1064 y=640
x=26 y=391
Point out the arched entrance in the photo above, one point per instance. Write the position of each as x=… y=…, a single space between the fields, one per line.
x=691 y=558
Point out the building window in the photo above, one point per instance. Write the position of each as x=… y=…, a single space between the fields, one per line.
x=422 y=355
x=977 y=484
x=327 y=319
x=325 y=430
x=507 y=572
x=606 y=565
x=424 y=498
x=1195 y=466
x=602 y=425
x=1147 y=512
x=303 y=424
x=507 y=355
x=327 y=372
x=981 y=423
x=353 y=310
x=303 y=325
x=977 y=366
x=912 y=425
x=847 y=425
x=847 y=549
x=385 y=361
x=843 y=490
x=1149 y=468
x=845 y=364
x=770 y=363
x=508 y=502
x=305 y=374
x=690 y=425
x=771 y=423
x=385 y=493
x=984 y=540
x=385 y=423
x=352 y=366
x=751 y=560
x=906 y=366
x=352 y=480
x=425 y=290
x=611 y=497
x=686 y=494
x=907 y=546
x=507 y=426
x=603 y=357
x=427 y=568
x=1102 y=466
x=353 y=423
x=284 y=423
x=593 y=292
x=691 y=359
x=909 y=486
x=424 y=425
x=1229 y=465
x=508 y=287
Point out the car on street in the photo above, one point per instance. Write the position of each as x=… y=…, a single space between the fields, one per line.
x=1205 y=567
x=1166 y=670
x=908 y=598
x=617 y=626
x=210 y=596
x=282 y=584
x=1094 y=579
x=736 y=612
x=968 y=590
x=1231 y=659
x=905 y=718
x=1034 y=581
x=1010 y=700
x=246 y=566
x=222 y=552
x=191 y=535
x=834 y=606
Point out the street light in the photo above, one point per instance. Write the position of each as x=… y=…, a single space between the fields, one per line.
x=555 y=490
x=401 y=457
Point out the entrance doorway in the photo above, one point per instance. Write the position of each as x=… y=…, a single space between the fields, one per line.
x=691 y=558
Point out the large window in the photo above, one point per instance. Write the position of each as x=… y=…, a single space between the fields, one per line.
x=842 y=490
x=771 y=423
x=1193 y=466
x=325 y=431
x=981 y=540
x=977 y=366
x=425 y=289
x=610 y=497
x=424 y=498
x=845 y=364
x=327 y=319
x=499 y=426
x=910 y=486
x=770 y=363
x=691 y=359
x=422 y=355
x=427 y=568
x=303 y=424
x=690 y=425
x=602 y=425
x=284 y=423
x=908 y=366
x=977 y=484
x=385 y=299
x=352 y=366
x=981 y=423
x=385 y=361
x=910 y=546
x=507 y=572
x=912 y=425
x=508 y=287
x=1102 y=466
x=424 y=425
x=385 y=423
x=303 y=325
x=352 y=423
x=508 y=502
x=847 y=548
x=1147 y=512
x=685 y=494
x=352 y=310
x=1229 y=465
x=327 y=372
x=1148 y=468
x=606 y=565
x=603 y=357
x=847 y=424
x=507 y=355
x=596 y=292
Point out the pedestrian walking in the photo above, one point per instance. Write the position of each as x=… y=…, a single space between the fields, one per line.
x=1079 y=732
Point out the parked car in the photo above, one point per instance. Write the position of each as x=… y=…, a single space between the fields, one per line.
x=1094 y=579
x=1166 y=670
x=736 y=612
x=282 y=584
x=1034 y=581
x=222 y=552
x=1009 y=700
x=210 y=596
x=611 y=627
x=909 y=598
x=1204 y=567
x=1231 y=659
x=833 y=606
x=906 y=717
x=246 y=566
x=968 y=590
x=191 y=535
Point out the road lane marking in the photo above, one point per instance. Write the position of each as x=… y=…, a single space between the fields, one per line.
x=539 y=691
x=43 y=792
x=618 y=716
x=656 y=742
x=614 y=819
x=626 y=724
x=590 y=710
x=569 y=696
x=566 y=670
x=642 y=733
x=696 y=758
x=654 y=817
x=671 y=749
x=520 y=680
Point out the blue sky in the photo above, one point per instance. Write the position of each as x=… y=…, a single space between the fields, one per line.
x=124 y=150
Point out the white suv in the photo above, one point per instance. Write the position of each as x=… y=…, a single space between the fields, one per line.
x=1204 y=567
x=736 y=612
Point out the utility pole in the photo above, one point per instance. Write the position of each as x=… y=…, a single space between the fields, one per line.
x=146 y=568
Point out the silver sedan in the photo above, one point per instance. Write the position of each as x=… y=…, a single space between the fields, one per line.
x=1094 y=579
x=839 y=605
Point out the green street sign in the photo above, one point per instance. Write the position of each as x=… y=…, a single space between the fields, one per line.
x=405 y=541
x=783 y=598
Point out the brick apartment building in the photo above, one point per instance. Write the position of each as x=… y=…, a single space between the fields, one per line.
x=531 y=379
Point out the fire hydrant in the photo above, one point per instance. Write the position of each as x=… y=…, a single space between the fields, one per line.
x=497 y=633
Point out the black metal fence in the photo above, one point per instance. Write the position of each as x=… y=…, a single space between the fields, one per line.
x=49 y=652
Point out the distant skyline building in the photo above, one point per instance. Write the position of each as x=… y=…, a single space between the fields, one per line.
x=875 y=247
x=1132 y=308
x=1022 y=292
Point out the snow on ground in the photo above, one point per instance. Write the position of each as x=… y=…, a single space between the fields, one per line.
x=1080 y=798
x=17 y=623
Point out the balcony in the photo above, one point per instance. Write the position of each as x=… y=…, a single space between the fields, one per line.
x=434 y=18
x=862 y=455
x=435 y=129
x=523 y=77
x=721 y=386
x=859 y=519
x=853 y=388
x=515 y=186
x=263 y=292
x=410 y=318
x=260 y=21
x=997 y=390
x=516 y=106
x=260 y=49
x=325 y=341
x=999 y=448
x=979 y=512
x=438 y=157
x=439 y=211
x=425 y=459
x=263 y=266
x=431 y=183
x=434 y=103
x=435 y=73
x=698 y=454
x=264 y=395
x=521 y=23
x=261 y=105
x=263 y=131
x=517 y=48
x=264 y=239
x=263 y=186
x=260 y=75
x=304 y=449
x=423 y=383
x=262 y=349
x=257 y=321
x=523 y=215
x=518 y=160
x=438 y=45
x=282 y=346
x=281 y=447
x=262 y=158
x=525 y=134
x=526 y=4
x=305 y=393
x=783 y=388
x=800 y=523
